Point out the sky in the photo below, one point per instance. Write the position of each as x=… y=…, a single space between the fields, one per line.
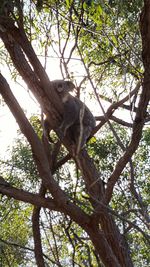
x=8 y=125
x=8 y=129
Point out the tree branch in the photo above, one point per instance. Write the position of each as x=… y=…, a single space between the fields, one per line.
x=136 y=135
x=116 y=105
x=40 y=157
x=37 y=237
x=113 y=118
x=27 y=197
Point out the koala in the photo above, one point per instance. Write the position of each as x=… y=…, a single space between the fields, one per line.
x=77 y=119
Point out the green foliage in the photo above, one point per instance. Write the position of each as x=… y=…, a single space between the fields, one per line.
x=15 y=232
x=105 y=153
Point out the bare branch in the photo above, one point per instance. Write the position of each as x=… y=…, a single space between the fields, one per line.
x=136 y=136
x=113 y=118
x=27 y=197
x=40 y=156
x=37 y=237
x=116 y=105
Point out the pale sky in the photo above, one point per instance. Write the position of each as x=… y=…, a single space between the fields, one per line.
x=8 y=129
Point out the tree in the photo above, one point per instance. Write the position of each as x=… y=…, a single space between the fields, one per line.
x=101 y=35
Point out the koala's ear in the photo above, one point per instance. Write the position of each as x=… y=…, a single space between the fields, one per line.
x=70 y=85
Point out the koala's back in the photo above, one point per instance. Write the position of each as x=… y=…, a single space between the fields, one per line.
x=88 y=118
x=82 y=127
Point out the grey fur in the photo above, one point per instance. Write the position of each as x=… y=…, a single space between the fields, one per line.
x=71 y=117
